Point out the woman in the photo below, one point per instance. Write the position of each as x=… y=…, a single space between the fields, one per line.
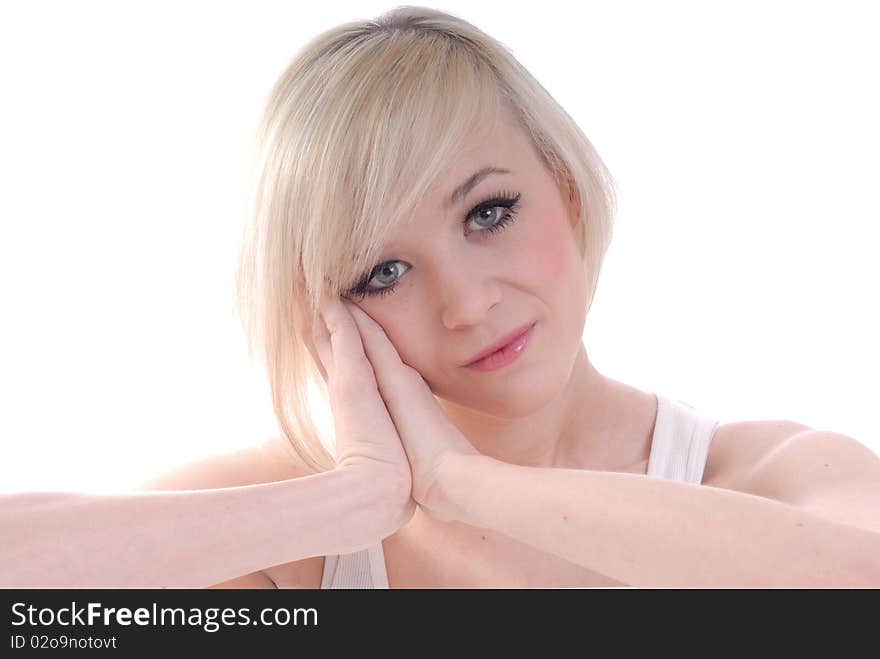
x=428 y=231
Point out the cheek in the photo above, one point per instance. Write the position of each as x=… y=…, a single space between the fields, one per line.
x=548 y=248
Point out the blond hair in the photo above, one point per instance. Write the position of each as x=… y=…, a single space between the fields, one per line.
x=358 y=126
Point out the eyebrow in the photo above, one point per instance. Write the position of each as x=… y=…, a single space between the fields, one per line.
x=461 y=191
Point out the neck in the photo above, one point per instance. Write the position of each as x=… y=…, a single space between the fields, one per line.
x=594 y=422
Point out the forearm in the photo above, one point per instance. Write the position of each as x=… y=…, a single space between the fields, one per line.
x=180 y=538
x=653 y=532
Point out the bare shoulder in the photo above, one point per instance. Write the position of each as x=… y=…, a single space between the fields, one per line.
x=268 y=461
x=265 y=462
x=738 y=448
x=821 y=472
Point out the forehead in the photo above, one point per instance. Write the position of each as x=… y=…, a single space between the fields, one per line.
x=500 y=143
x=497 y=142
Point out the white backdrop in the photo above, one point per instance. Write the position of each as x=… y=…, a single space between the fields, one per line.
x=742 y=277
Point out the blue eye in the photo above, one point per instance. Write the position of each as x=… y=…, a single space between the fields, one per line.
x=498 y=222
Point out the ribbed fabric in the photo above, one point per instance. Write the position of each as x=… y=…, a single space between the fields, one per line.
x=679 y=449
x=362 y=569
x=680 y=444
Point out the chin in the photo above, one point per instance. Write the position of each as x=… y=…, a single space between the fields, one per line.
x=508 y=396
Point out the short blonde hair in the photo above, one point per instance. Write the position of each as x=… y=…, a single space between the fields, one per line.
x=356 y=129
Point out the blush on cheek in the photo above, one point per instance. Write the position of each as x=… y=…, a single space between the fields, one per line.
x=551 y=248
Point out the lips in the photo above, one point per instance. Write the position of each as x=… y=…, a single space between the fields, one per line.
x=500 y=343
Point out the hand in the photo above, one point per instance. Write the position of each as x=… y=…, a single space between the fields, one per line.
x=428 y=435
x=366 y=438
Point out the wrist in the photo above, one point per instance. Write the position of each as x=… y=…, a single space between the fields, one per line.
x=459 y=479
x=384 y=496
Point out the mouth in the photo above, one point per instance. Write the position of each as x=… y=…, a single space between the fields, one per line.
x=504 y=351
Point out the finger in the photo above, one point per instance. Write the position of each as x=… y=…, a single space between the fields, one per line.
x=358 y=408
x=379 y=349
x=402 y=387
x=407 y=396
x=350 y=362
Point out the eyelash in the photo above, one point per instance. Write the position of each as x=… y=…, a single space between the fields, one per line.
x=502 y=199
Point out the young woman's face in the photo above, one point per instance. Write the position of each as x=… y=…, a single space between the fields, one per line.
x=464 y=273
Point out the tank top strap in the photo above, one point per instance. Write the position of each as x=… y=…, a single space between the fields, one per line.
x=679 y=450
x=681 y=440
x=361 y=569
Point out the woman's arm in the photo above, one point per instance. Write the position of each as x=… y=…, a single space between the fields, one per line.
x=656 y=532
x=191 y=539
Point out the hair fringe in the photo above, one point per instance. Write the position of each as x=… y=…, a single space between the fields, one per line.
x=357 y=127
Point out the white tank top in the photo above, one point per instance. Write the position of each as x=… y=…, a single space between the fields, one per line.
x=679 y=449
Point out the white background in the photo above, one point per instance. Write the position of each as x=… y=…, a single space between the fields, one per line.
x=742 y=277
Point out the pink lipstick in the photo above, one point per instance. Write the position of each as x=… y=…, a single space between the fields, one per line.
x=507 y=353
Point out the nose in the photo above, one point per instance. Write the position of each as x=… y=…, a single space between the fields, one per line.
x=466 y=293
